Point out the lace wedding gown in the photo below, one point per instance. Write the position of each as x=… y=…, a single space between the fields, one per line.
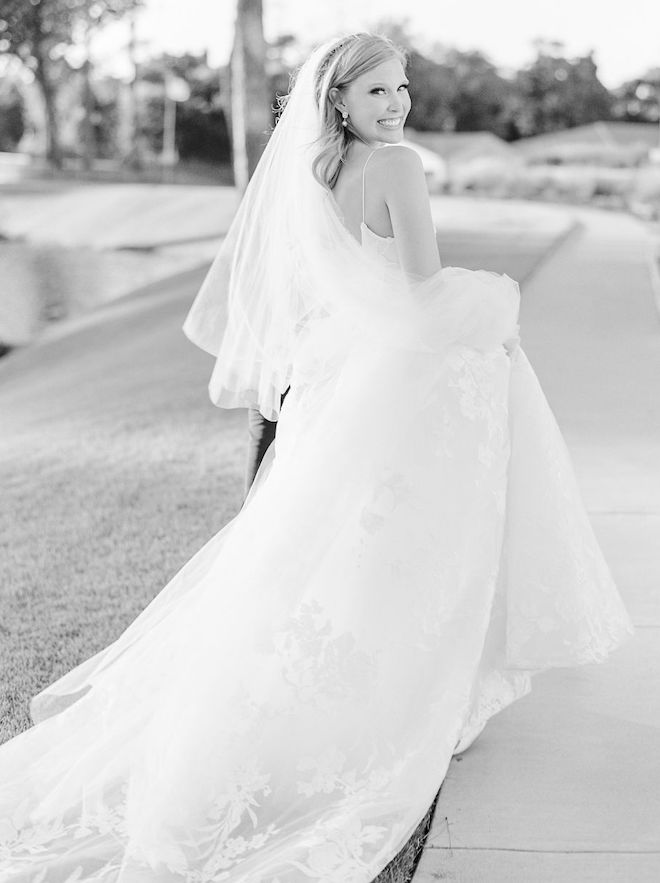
x=285 y=710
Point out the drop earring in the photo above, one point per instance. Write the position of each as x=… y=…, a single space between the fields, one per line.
x=344 y=121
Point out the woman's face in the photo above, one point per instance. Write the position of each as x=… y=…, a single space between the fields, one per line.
x=378 y=103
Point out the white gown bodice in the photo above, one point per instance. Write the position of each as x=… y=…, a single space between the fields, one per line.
x=383 y=246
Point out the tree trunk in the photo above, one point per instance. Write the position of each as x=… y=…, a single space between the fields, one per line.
x=87 y=127
x=48 y=92
x=251 y=115
x=132 y=154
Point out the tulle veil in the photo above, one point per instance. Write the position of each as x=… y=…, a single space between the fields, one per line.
x=287 y=258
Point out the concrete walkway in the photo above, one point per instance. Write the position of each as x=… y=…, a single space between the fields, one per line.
x=564 y=786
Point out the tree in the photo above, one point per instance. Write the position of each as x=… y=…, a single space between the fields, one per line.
x=38 y=32
x=432 y=84
x=201 y=128
x=12 y=120
x=92 y=15
x=251 y=113
x=283 y=55
x=433 y=90
x=558 y=93
x=482 y=97
x=451 y=90
x=638 y=100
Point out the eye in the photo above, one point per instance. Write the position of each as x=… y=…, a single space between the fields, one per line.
x=378 y=89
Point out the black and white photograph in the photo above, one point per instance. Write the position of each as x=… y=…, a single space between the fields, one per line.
x=329 y=441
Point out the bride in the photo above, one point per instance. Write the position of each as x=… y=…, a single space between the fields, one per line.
x=413 y=548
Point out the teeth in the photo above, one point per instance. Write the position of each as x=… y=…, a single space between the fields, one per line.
x=390 y=124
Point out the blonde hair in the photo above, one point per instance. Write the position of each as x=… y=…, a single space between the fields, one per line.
x=346 y=60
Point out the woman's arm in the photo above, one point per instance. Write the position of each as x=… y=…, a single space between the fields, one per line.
x=407 y=199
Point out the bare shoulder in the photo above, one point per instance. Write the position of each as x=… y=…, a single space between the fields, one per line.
x=406 y=196
x=398 y=164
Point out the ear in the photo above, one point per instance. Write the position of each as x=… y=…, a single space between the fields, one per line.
x=337 y=98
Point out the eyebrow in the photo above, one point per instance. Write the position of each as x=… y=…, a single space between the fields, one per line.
x=405 y=82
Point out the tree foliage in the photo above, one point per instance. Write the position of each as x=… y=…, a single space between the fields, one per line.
x=452 y=90
x=35 y=30
x=12 y=117
x=556 y=92
x=464 y=91
x=38 y=32
x=482 y=99
x=202 y=130
x=638 y=100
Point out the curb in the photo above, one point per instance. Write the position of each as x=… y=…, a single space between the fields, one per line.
x=168 y=243
x=653 y=258
x=574 y=227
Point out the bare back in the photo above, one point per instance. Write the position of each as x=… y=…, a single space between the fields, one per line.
x=360 y=197
x=386 y=188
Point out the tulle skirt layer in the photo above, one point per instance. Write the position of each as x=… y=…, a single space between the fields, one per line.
x=413 y=550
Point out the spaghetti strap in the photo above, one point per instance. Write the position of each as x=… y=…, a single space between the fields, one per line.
x=363 y=170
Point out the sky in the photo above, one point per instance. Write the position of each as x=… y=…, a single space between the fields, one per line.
x=625 y=37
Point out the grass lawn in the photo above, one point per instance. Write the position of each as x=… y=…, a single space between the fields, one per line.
x=115 y=469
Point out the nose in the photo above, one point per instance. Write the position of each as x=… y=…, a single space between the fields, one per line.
x=395 y=104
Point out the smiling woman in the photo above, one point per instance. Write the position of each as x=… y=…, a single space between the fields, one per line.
x=362 y=92
x=374 y=101
x=356 y=91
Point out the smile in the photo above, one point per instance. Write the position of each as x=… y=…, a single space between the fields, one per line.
x=391 y=124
